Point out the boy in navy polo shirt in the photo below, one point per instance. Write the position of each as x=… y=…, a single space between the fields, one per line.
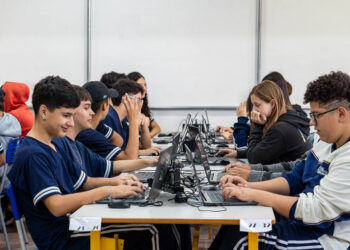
x=95 y=140
x=93 y=164
x=48 y=186
x=313 y=199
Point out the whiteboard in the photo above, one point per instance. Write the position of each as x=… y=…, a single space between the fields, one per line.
x=192 y=53
x=305 y=39
x=40 y=38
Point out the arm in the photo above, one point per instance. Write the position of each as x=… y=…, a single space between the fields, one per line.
x=133 y=111
x=116 y=139
x=132 y=165
x=155 y=128
x=60 y=205
x=2 y=156
x=145 y=140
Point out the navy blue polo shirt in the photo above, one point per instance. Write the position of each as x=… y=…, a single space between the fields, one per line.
x=122 y=128
x=92 y=164
x=98 y=144
x=104 y=129
x=38 y=172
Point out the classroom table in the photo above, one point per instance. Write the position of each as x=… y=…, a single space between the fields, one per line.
x=176 y=213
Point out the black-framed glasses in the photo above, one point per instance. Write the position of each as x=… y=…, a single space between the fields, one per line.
x=315 y=116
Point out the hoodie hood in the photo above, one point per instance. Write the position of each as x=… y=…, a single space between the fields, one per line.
x=16 y=95
x=297 y=119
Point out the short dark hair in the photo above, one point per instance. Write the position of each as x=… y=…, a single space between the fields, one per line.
x=333 y=87
x=54 y=92
x=126 y=86
x=135 y=76
x=111 y=78
x=82 y=93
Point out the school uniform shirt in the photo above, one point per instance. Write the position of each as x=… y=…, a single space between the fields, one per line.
x=98 y=144
x=104 y=129
x=322 y=183
x=241 y=132
x=287 y=140
x=92 y=164
x=39 y=172
x=122 y=128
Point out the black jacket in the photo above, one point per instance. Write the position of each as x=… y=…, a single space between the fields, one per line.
x=286 y=140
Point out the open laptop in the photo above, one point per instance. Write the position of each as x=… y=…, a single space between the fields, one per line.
x=213 y=196
x=160 y=176
x=143 y=176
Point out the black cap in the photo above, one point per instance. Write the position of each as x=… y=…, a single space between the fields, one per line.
x=99 y=91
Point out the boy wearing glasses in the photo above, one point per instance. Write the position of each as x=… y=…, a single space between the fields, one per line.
x=313 y=199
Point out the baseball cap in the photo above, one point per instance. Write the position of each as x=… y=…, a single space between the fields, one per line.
x=99 y=91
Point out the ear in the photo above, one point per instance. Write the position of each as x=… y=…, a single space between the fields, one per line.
x=343 y=114
x=273 y=103
x=104 y=106
x=43 y=111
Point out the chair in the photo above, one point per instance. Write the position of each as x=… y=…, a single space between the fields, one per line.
x=10 y=155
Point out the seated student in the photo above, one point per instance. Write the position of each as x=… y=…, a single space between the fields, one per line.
x=154 y=128
x=15 y=104
x=278 y=134
x=314 y=198
x=241 y=128
x=9 y=129
x=48 y=186
x=95 y=140
x=92 y=164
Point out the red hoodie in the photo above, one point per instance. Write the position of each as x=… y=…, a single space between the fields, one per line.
x=16 y=94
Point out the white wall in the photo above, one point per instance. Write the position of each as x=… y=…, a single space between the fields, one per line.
x=302 y=39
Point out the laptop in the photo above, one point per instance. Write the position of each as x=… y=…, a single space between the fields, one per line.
x=144 y=176
x=160 y=176
x=213 y=196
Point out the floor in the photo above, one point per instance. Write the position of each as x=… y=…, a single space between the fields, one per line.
x=204 y=241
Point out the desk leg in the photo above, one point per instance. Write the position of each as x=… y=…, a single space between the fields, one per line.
x=253 y=241
x=95 y=243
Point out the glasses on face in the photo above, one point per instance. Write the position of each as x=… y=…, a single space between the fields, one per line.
x=315 y=116
x=137 y=98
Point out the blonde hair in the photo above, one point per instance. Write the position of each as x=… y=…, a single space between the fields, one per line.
x=267 y=91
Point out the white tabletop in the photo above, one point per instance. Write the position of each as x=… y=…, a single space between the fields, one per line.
x=176 y=213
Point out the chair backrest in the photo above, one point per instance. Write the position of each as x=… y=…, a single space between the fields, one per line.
x=11 y=149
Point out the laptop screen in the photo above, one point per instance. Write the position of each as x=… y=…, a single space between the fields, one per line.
x=200 y=150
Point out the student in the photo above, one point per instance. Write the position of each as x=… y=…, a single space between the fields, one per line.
x=96 y=141
x=241 y=128
x=15 y=104
x=9 y=129
x=279 y=134
x=154 y=128
x=120 y=121
x=92 y=164
x=48 y=186
x=314 y=198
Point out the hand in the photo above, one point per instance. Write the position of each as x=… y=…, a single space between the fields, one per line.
x=224 y=129
x=227 y=136
x=124 y=191
x=133 y=108
x=150 y=151
x=144 y=121
x=242 y=110
x=236 y=164
x=233 y=180
x=244 y=173
x=257 y=117
x=228 y=153
x=121 y=179
x=241 y=193
x=152 y=162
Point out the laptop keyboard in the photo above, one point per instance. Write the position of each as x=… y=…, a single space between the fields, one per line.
x=215 y=196
x=144 y=176
x=215 y=177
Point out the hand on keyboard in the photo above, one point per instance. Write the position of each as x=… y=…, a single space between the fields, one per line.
x=124 y=191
